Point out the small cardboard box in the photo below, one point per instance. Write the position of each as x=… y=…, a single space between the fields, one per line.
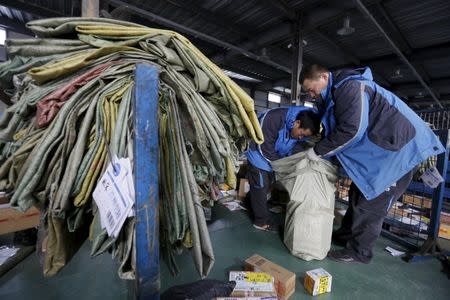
x=244 y=188
x=12 y=220
x=339 y=214
x=317 y=281
x=284 y=279
x=445 y=218
x=252 y=284
x=444 y=231
x=417 y=200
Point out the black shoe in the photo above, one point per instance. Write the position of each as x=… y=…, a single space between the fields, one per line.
x=346 y=256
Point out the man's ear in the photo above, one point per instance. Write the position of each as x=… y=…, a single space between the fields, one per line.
x=298 y=123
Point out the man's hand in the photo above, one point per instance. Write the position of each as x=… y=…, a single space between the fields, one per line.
x=311 y=154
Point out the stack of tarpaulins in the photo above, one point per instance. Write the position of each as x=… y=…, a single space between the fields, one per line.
x=72 y=92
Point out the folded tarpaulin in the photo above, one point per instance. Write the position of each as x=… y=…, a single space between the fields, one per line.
x=71 y=109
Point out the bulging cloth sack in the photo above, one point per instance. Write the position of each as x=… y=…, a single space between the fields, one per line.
x=310 y=211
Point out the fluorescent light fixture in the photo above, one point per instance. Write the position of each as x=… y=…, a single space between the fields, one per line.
x=240 y=76
x=282 y=89
x=273 y=97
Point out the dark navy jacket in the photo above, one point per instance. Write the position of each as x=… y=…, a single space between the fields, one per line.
x=376 y=137
x=276 y=125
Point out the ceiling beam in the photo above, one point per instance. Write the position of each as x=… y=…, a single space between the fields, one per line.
x=32 y=8
x=283 y=31
x=395 y=30
x=15 y=26
x=367 y=13
x=426 y=102
x=216 y=19
x=413 y=88
x=283 y=7
x=401 y=40
x=181 y=28
x=417 y=56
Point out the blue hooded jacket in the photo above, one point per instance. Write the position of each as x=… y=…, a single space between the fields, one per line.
x=376 y=137
x=276 y=125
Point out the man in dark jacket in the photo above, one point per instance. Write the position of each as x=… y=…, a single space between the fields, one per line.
x=377 y=139
x=285 y=130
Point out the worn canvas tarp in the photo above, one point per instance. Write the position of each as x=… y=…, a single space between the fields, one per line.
x=310 y=211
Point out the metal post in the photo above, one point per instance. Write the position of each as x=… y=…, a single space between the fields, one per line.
x=297 y=60
x=438 y=194
x=146 y=159
x=431 y=247
x=90 y=8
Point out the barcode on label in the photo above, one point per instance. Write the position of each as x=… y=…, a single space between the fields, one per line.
x=110 y=218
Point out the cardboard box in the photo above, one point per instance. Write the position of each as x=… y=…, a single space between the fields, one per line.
x=339 y=214
x=417 y=200
x=445 y=218
x=284 y=279
x=444 y=231
x=317 y=281
x=252 y=284
x=398 y=212
x=244 y=188
x=12 y=220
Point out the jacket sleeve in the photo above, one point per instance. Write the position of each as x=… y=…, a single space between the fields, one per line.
x=349 y=111
x=270 y=125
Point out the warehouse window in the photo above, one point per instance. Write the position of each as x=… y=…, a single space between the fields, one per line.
x=2 y=36
x=273 y=97
x=308 y=104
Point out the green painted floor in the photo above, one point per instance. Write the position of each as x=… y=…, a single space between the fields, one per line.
x=234 y=239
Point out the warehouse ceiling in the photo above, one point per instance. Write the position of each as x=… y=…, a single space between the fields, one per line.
x=405 y=42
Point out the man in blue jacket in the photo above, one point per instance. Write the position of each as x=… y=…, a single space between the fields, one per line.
x=285 y=130
x=377 y=139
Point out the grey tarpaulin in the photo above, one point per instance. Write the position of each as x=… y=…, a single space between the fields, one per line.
x=310 y=211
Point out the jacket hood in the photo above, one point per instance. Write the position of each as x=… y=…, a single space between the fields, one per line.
x=343 y=75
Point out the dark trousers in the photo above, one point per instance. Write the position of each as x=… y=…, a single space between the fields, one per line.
x=260 y=182
x=362 y=223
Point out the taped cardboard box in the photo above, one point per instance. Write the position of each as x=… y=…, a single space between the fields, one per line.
x=317 y=281
x=284 y=279
x=252 y=284
x=244 y=188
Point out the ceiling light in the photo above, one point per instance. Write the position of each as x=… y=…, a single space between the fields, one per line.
x=346 y=29
x=397 y=74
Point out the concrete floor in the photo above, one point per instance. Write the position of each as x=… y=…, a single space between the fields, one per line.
x=234 y=239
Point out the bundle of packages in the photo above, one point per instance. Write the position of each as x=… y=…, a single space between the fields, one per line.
x=72 y=92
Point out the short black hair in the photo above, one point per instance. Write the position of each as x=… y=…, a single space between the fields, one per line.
x=309 y=120
x=312 y=72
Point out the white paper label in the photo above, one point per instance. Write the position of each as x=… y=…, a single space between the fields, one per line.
x=114 y=195
x=432 y=178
